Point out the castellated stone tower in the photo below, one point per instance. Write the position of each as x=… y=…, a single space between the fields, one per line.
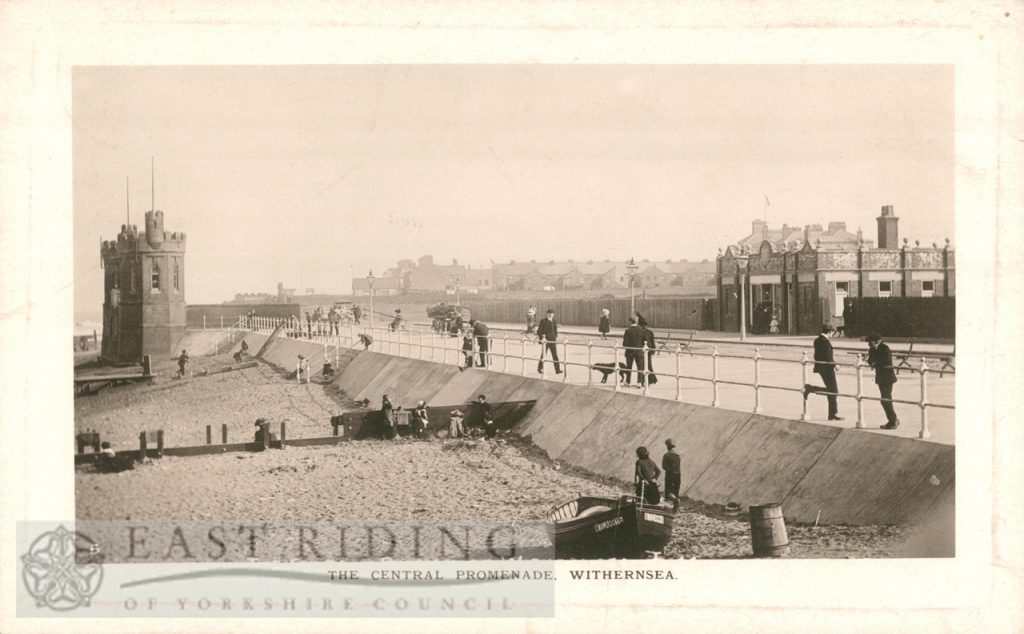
x=143 y=291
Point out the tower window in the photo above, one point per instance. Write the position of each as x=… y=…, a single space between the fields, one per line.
x=176 y=276
x=155 y=278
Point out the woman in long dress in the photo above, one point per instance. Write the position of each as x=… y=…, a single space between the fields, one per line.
x=531 y=320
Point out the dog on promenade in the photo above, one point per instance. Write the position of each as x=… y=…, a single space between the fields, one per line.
x=606 y=370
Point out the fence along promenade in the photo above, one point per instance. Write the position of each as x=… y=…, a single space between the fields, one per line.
x=421 y=342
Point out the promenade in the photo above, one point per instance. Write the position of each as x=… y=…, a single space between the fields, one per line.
x=764 y=374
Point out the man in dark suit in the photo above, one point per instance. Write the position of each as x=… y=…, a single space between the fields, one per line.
x=547 y=333
x=825 y=367
x=880 y=358
x=481 y=333
x=633 y=342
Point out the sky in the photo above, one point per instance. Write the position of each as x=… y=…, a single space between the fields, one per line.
x=309 y=175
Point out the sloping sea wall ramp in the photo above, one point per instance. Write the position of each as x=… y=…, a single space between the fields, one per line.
x=818 y=472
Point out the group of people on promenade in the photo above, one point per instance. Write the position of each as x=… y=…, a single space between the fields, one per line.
x=879 y=359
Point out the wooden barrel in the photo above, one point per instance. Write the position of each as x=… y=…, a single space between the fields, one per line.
x=768 y=531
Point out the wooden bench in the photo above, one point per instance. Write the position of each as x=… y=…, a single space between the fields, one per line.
x=683 y=343
x=947 y=358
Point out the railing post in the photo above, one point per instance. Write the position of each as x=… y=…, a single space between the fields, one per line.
x=522 y=354
x=222 y=322
x=590 y=361
x=504 y=353
x=565 y=360
x=860 y=393
x=714 y=376
x=647 y=370
x=757 y=381
x=925 y=431
x=803 y=366
x=679 y=381
x=615 y=364
x=204 y=322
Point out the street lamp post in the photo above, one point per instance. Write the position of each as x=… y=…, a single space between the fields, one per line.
x=631 y=269
x=369 y=282
x=741 y=268
x=458 y=300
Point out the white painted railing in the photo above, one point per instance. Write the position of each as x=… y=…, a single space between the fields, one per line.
x=427 y=344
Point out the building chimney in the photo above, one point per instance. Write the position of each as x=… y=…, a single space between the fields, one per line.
x=888 y=229
x=758 y=227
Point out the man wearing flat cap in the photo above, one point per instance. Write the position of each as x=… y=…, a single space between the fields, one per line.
x=670 y=463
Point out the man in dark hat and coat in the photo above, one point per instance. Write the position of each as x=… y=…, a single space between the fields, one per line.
x=671 y=463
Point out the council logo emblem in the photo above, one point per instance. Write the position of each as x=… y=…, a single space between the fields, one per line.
x=53 y=574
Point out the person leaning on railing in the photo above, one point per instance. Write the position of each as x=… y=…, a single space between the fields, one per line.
x=825 y=367
x=880 y=358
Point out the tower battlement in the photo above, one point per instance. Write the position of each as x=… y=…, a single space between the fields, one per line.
x=144 y=290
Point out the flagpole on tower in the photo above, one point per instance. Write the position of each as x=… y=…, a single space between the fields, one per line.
x=766 y=204
x=127 y=203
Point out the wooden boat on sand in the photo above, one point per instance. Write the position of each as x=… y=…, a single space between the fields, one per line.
x=606 y=528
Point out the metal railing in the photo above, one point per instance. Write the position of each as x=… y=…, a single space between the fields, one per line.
x=418 y=342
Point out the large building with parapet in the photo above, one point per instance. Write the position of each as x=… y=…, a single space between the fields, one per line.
x=802 y=278
x=143 y=291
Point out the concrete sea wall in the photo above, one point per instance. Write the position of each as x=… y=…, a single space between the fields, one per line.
x=845 y=475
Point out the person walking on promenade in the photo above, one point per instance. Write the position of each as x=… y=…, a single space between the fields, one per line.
x=334 y=317
x=849 y=319
x=531 y=320
x=633 y=342
x=182 y=363
x=825 y=367
x=547 y=334
x=467 y=347
x=646 y=477
x=880 y=358
x=604 y=326
x=357 y=312
x=481 y=333
x=652 y=378
x=671 y=463
x=640 y=321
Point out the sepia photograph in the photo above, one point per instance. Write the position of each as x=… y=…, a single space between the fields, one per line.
x=604 y=323
x=630 y=303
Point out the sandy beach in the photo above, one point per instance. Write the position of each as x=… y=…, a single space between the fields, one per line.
x=433 y=481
